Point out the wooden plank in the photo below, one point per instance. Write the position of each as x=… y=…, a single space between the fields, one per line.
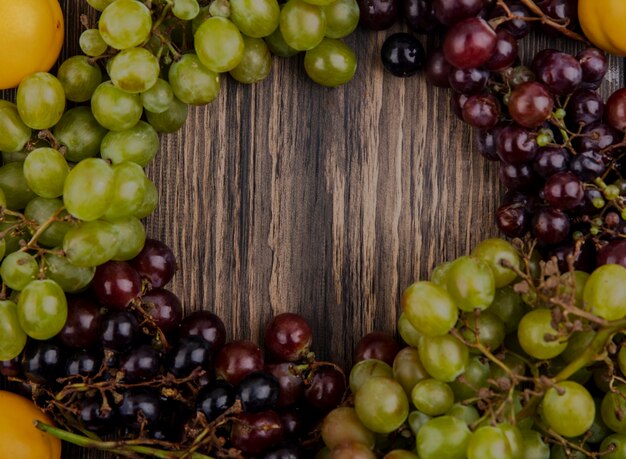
x=285 y=196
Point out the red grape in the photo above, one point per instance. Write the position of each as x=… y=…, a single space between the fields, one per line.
x=560 y=72
x=207 y=326
x=420 y=16
x=505 y=54
x=449 y=12
x=377 y=345
x=551 y=226
x=516 y=144
x=468 y=81
x=155 y=262
x=288 y=337
x=585 y=107
x=594 y=64
x=291 y=385
x=531 y=104
x=564 y=191
x=238 y=359
x=378 y=14
x=116 y=284
x=255 y=433
x=481 y=111
x=82 y=325
x=326 y=390
x=616 y=109
x=470 y=43
x=164 y=308
x=438 y=70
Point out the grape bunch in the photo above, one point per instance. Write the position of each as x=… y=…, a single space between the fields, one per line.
x=507 y=358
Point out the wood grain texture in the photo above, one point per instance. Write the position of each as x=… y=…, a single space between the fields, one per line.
x=285 y=196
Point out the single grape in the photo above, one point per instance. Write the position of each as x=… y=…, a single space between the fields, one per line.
x=42 y=309
x=342 y=18
x=255 y=18
x=326 y=390
x=408 y=369
x=255 y=433
x=218 y=44
x=192 y=82
x=378 y=14
x=83 y=323
x=128 y=191
x=550 y=160
x=444 y=357
x=534 y=446
x=40 y=100
x=302 y=25
x=90 y=244
x=605 y=292
x=616 y=109
x=407 y=331
x=116 y=284
x=468 y=414
x=486 y=329
x=381 y=405
x=597 y=136
x=288 y=337
x=470 y=283
x=403 y=55
x=14 y=185
x=138 y=144
x=215 y=398
x=568 y=409
x=445 y=436
x=118 y=330
x=158 y=98
x=83 y=363
x=481 y=111
x=449 y=12
x=91 y=43
x=45 y=170
x=140 y=407
x=531 y=104
x=94 y=417
x=489 y=443
x=134 y=70
x=170 y=120
x=70 y=278
x=140 y=364
x=18 y=270
x=468 y=81
x=477 y=372
x=343 y=425
x=291 y=384
x=80 y=133
x=114 y=108
x=432 y=397
x=585 y=107
x=560 y=72
x=130 y=235
x=14 y=133
x=617 y=443
x=256 y=63
x=419 y=15
x=469 y=43
x=79 y=78
x=507 y=305
x=429 y=308
x=564 y=191
x=551 y=226
x=505 y=53
x=258 y=391
x=594 y=64
x=89 y=189
x=364 y=370
x=534 y=328
x=164 y=308
x=278 y=46
x=150 y=201
x=186 y=9
x=157 y=264
x=42 y=362
x=502 y=258
x=12 y=336
x=377 y=345
x=438 y=70
x=238 y=359
x=125 y=24
x=516 y=144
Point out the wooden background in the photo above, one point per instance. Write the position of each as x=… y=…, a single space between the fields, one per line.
x=286 y=196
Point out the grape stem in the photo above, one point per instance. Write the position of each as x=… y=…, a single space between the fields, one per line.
x=32 y=244
x=117 y=447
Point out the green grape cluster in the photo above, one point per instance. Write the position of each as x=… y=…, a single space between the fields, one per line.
x=507 y=358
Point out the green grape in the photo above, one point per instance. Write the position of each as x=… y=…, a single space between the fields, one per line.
x=79 y=78
x=342 y=425
x=14 y=134
x=88 y=190
x=605 y=292
x=129 y=188
x=444 y=437
x=438 y=276
x=407 y=331
x=400 y=454
x=331 y=63
x=429 y=309
x=476 y=374
x=444 y=357
x=532 y=332
x=186 y=9
x=125 y=24
x=487 y=329
x=91 y=244
x=342 y=18
x=255 y=18
x=568 y=409
x=496 y=252
x=577 y=344
x=489 y=443
x=580 y=281
x=598 y=431
x=12 y=337
x=192 y=82
x=131 y=235
x=18 y=270
x=612 y=409
x=134 y=70
x=417 y=420
x=278 y=46
x=40 y=210
x=515 y=439
x=45 y=170
x=558 y=452
x=14 y=185
x=507 y=305
x=320 y=2
x=71 y=279
x=351 y=451
x=150 y=200
x=172 y=119
x=158 y=98
x=381 y=404
x=302 y=25
x=114 y=108
x=81 y=134
x=534 y=446
x=255 y=64
x=40 y=100
x=3 y=199
x=218 y=44
x=91 y=43
x=616 y=441
x=138 y=144
x=366 y=369
x=466 y=413
x=99 y=4
x=203 y=15
x=513 y=362
x=470 y=283
x=3 y=248
x=432 y=397
x=42 y=309
x=408 y=369
x=14 y=157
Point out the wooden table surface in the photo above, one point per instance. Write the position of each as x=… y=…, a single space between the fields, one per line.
x=286 y=196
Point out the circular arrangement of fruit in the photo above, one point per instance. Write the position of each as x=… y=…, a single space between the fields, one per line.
x=516 y=351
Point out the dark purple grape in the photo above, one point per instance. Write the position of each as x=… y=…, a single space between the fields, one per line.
x=11 y=368
x=83 y=324
x=378 y=14
x=215 y=398
x=291 y=385
x=469 y=43
x=255 y=433
x=139 y=406
x=518 y=28
x=207 y=326
x=516 y=144
x=326 y=389
x=518 y=177
x=189 y=354
x=561 y=11
x=594 y=64
x=420 y=16
x=517 y=197
x=481 y=111
x=288 y=337
x=531 y=104
x=140 y=364
x=283 y=453
x=505 y=54
x=438 y=70
x=83 y=363
x=596 y=137
x=119 y=330
x=449 y=12
x=513 y=220
x=164 y=308
x=551 y=226
x=377 y=345
x=564 y=191
x=588 y=165
x=258 y=391
x=95 y=416
x=42 y=362
x=238 y=359
x=613 y=253
x=550 y=160
x=116 y=284
x=584 y=107
x=560 y=72
x=293 y=423
x=156 y=263
x=403 y=55
x=468 y=81
x=486 y=142
x=584 y=259
x=616 y=110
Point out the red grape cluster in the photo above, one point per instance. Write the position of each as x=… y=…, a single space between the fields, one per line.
x=126 y=355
